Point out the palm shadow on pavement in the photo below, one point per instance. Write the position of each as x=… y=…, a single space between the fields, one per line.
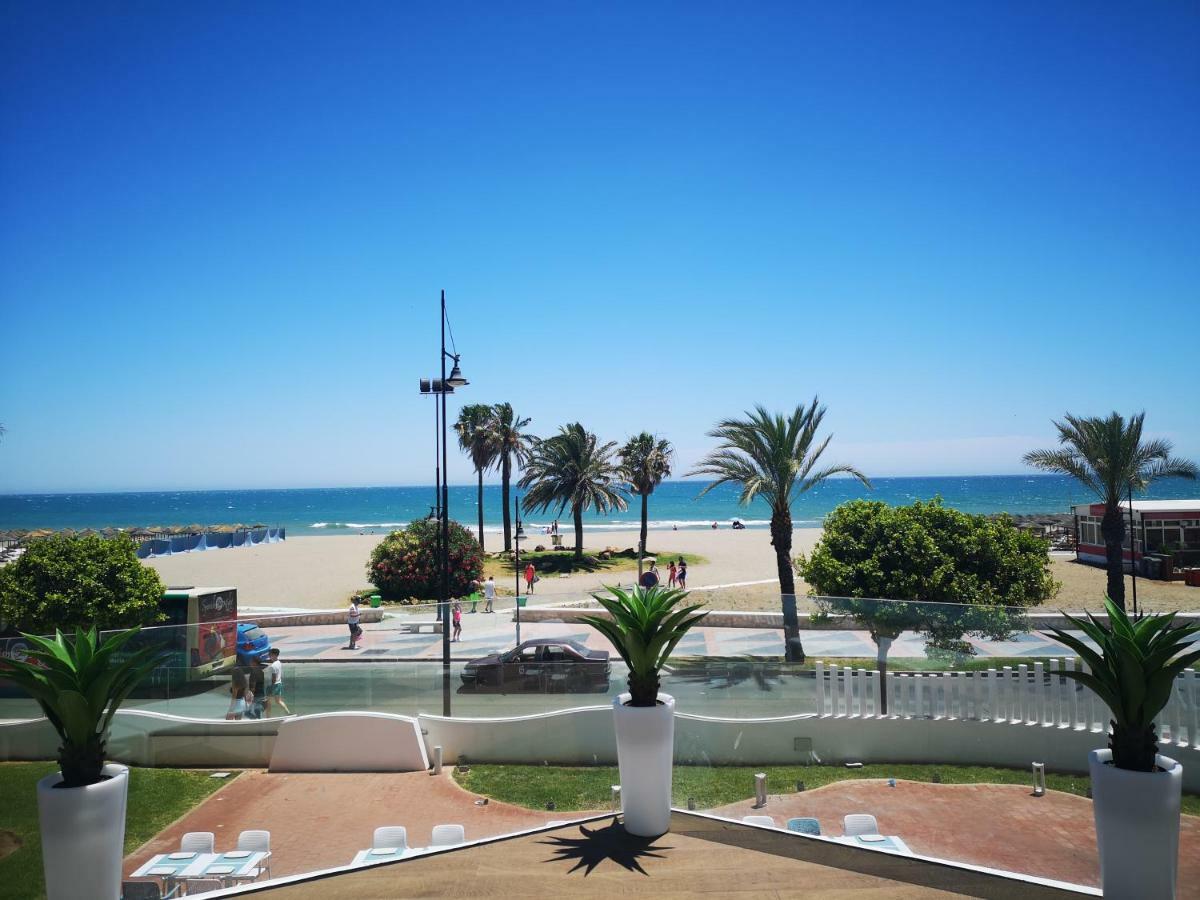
x=611 y=842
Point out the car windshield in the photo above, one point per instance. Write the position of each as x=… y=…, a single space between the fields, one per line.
x=252 y=634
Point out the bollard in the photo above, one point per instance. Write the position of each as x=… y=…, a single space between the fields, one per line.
x=760 y=790
x=1039 y=779
x=616 y=798
x=437 y=761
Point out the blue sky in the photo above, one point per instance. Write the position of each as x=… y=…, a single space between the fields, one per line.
x=223 y=229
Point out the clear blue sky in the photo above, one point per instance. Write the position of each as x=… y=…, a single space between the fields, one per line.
x=224 y=226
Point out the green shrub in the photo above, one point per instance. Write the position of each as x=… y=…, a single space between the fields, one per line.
x=929 y=554
x=405 y=564
x=65 y=581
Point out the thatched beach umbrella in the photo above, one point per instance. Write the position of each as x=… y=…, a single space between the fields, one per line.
x=40 y=533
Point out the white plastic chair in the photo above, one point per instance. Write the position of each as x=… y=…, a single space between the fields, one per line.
x=257 y=842
x=390 y=836
x=760 y=820
x=859 y=823
x=448 y=836
x=197 y=842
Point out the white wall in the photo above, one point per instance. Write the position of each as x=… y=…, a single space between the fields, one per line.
x=584 y=736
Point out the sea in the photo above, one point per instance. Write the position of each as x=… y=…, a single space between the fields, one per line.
x=675 y=504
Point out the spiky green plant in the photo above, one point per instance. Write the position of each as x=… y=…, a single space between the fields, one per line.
x=1133 y=673
x=80 y=685
x=645 y=627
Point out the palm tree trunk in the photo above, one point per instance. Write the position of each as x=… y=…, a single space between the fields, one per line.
x=645 y=513
x=480 y=505
x=577 y=513
x=505 y=476
x=1112 y=527
x=781 y=539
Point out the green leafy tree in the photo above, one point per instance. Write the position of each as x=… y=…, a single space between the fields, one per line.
x=777 y=458
x=573 y=469
x=644 y=625
x=645 y=462
x=477 y=438
x=65 y=581
x=929 y=569
x=406 y=565
x=80 y=685
x=512 y=449
x=1107 y=457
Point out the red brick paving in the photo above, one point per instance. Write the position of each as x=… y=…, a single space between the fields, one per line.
x=1001 y=826
x=322 y=820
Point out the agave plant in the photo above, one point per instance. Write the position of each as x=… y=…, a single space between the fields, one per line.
x=79 y=685
x=645 y=627
x=1133 y=673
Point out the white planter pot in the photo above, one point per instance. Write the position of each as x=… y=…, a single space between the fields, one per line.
x=83 y=836
x=1137 y=827
x=645 y=749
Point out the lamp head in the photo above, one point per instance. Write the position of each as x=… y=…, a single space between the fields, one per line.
x=456 y=379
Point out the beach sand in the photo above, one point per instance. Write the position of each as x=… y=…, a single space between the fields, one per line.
x=322 y=572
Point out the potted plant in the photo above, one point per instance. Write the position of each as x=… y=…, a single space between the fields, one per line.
x=79 y=685
x=646 y=625
x=1136 y=790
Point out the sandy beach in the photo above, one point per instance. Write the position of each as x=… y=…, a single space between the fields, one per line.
x=322 y=572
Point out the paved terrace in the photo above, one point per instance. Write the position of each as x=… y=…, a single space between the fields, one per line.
x=321 y=821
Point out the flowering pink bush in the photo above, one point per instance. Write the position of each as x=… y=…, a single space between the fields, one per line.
x=404 y=566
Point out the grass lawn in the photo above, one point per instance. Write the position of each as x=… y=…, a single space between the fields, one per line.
x=589 y=787
x=157 y=797
x=556 y=562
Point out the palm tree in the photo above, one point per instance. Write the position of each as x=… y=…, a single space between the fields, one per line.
x=774 y=457
x=476 y=439
x=645 y=462
x=1108 y=457
x=572 y=468
x=511 y=447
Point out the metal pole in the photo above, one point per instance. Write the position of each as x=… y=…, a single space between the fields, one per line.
x=445 y=591
x=1133 y=552
x=517 y=558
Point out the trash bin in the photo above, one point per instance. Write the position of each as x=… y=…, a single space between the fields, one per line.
x=376 y=601
x=521 y=601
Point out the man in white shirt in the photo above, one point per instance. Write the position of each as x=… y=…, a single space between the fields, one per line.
x=489 y=594
x=275 y=684
x=352 y=621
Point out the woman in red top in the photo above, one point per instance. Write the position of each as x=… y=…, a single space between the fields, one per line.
x=530 y=578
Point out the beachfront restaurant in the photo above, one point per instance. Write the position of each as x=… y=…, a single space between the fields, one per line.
x=1158 y=526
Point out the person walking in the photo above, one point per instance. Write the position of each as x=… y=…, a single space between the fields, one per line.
x=681 y=575
x=456 y=616
x=352 y=618
x=239 y=696
x=275 y=684
x=489 y=594
x=671 y=579
x=257 y=679
x=530 y=578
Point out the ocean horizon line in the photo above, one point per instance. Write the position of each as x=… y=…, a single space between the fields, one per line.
x=453 y=484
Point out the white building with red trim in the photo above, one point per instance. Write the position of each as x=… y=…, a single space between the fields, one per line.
x=1157 y=525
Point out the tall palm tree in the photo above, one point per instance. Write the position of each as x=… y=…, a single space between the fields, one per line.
x=476 y=439
x=645 y=462
x=774 y=457
x=512 y=448
x=1108 y=457
x=572 y=468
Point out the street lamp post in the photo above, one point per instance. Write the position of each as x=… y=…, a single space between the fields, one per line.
x=441 y=387
x=518 y=536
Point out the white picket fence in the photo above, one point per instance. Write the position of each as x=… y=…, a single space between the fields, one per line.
x=1035 y=694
